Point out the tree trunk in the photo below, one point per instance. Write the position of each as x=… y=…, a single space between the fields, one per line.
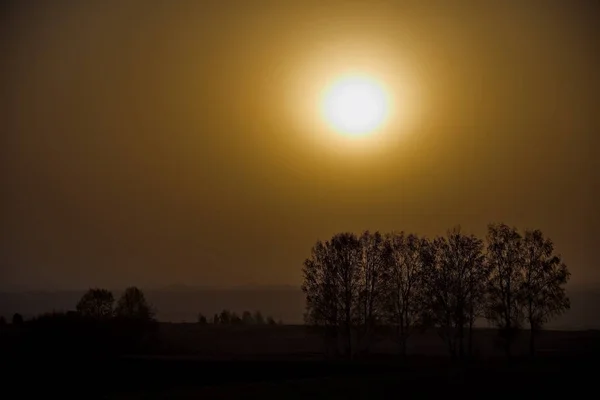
x=402 y=337
x=508 y=339
x=532 y=342
x=470 y=337
x=461 y=334
x=531 y=331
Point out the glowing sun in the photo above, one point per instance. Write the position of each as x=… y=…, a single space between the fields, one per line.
x=355 y=105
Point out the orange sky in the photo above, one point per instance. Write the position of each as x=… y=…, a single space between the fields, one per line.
x=157 y=142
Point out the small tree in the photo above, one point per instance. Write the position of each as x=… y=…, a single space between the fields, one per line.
x=235 y=319
x=247 y=318
x=271 y=320
x=17 y=319
x=258 y=318
x=225 y=317
x=133 y=305
x=543 y=286
x=96 y=303
x=202 y=319
x=216 y=319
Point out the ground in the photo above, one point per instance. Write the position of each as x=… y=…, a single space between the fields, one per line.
x=196 y=361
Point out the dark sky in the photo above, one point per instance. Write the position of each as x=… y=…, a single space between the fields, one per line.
x=156 y=142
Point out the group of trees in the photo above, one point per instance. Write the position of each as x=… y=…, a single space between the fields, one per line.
x=227 y=317
x=354 y=285
x=100 y=304
x=99 y=326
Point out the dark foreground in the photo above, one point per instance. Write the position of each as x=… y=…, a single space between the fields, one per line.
x=384 y=377
x=191 y=361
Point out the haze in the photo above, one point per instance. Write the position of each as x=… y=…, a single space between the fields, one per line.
x=155 y=143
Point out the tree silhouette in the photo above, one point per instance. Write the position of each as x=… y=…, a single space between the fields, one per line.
x=373 y=274
x=17 y=319
x=320 y=289
x=352 y=284
x=225 y=317
x=202 y=319
x=543 y=286
x=96 y=303
x=332 y=283
x=235 y=319
x=457 y=262
x=505 y=260
x=132 y=304
x=247 y=318
x=271 y=320
x=404 y=287
x=258 y=318
x=216 y=319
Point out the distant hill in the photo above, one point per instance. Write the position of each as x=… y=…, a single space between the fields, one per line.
x=181 y=303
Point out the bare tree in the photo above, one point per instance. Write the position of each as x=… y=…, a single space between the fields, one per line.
x=505 y=260
x=477 y=281
x=543 y=286
x=373 y=275
x=96 y=303
x=320 y=288
x=132 y=304
x=452 y=287
x=404 y=287
x=458 y=263
x=332 y=283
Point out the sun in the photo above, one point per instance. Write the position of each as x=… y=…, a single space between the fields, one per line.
x=355 y=105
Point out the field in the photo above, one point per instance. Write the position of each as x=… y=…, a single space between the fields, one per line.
x=194 y=361
x=282 y=341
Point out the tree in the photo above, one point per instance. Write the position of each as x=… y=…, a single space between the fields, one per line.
x=271 y=320
x=96 y=303
x=215 y=319
x=477 y=282
x=225 y=317
x=453 y=287
x=258 y=318
x=332 y=285
x=404 y=287
x=133 y=305
x=321 y=291
x=247 y=318
x=17 y=319
x=505 y=261
x=235 y=319
x=543 y=286
x=202 y=319
x=372 y=275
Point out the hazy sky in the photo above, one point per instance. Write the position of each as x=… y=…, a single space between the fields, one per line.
x=157 y=142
